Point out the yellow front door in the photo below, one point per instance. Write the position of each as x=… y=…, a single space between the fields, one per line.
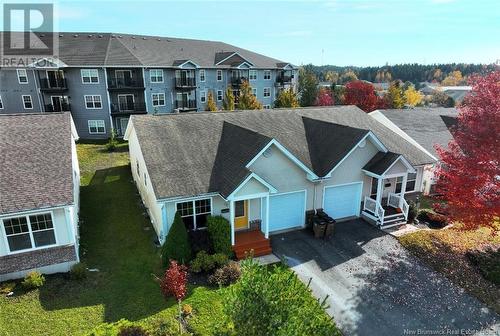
x=241 y=215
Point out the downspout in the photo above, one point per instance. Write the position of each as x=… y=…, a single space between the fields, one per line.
x=38 y=92
x=109 y=98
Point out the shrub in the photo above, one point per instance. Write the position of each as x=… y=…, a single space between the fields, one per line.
x=200 y=241
x=487 y=262
x=176 y=246
x=219 y=230
x=7 y=287
x=112 y=329
x=435 y=220
x=205 y=262
x=187 y=309
x=412 y=212
x=226 y=275
x=267 y=297
x=132 y=330
x=78 y=271
x=174 y=281
x=112 y=142
x=33 y=280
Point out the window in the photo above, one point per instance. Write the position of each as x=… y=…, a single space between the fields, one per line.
x=156 y=75
x=22 y=76
x=96 y=127
x=374 y=187
x=252 y=75
x=203 y=96
x=267 y=92
x=158 y=99
x=220 y=95
x=239 y=209
x=254 y=91
x=219 y=75
x=194 y=213
x=29 y=232
x=267 y=74
x=27 y=102
x=93 y=102
x=202 y=75
x=90 y=76
x=410 y=183
x=267 y=107
x=1 y=103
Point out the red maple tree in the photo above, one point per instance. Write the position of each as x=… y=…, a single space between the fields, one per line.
x=324 y=98
x=174 y=281
x=362 y=94
x=468 y=177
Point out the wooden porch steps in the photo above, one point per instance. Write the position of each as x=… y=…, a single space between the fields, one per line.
x=251 y=240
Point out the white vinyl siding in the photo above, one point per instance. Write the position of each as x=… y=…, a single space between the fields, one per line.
x=97 y=127
x=90 y=76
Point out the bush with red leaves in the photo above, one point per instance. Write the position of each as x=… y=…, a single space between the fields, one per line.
x=174 y=281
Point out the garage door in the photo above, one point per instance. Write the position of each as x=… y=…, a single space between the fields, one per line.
x=286 y=211
x=343 y=201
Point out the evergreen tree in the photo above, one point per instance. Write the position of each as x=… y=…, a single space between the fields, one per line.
x=211 y=105
x=287 y=98
x=228 y=102
x=176 y=246
x=308 y=87
x=247 y=100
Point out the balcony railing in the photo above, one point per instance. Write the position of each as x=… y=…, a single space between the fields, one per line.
x=125 y=83
x=189 y=104
x=283 y=79
x=53 y=84
x=237 y=81
x=64 y=107
x=126 y=108
x=185 y=82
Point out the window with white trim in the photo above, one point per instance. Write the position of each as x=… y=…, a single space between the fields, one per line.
x=22 y=76
x=254 y=91
x=202 y=75
x=194 y=214
x=156 y=75
x=252 y=75
x=1 y=103
x=267 y=107
x=219 y=75
x=203 y=96
x=158 y=99
x=93 y=102
x=27 y=102
x=29 y=232
x=267 y=74
x=220 y=95
x=90 y=76
x=267 y=92
x=411 y=183
x=373 y=188
x=97 y=127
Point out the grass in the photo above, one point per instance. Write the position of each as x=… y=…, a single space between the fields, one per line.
x=448 y=250
x=118 y=240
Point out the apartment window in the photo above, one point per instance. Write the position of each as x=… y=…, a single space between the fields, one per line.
x=156 y=75
x=219 y=75
x=203 y=96
x=267 y=74
x=194 y=213
x=28 y=232
x=158 y=99
x=97 y=127
x=252 y=75
x=267 y=92
x=93 y=102
x=1 y=103
x=254 y=91
x=27 y=102
x=411 y=183
x=220 y=95
x=22 y=76
x=202 y=75
x=90 y=76
x=267 y=107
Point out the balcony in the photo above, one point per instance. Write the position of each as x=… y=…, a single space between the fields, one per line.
x=283 y=79
x=57 y=84
x=128 y=108
x=63 y=107
x=237 y=81
x=185 y=82
x=125 y=84
x=185 y=105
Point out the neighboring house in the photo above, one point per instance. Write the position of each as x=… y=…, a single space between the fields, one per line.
x=425 y=127
x=457 y=93
x=39 y=194
x=265 y=169
x=103 y=78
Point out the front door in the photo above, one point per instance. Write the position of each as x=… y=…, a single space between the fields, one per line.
x=126 y=102
x=123 y=125
x=55 y=77
x=241 y=215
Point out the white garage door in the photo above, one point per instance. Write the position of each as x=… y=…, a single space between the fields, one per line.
x=343 y=201
x=286 y=211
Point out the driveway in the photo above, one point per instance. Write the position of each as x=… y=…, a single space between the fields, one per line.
x=375 y=287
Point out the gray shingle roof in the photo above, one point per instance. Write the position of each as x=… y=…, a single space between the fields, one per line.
x=381 y=162
x=427 y=126
x=109 y=49
x=186 y=154
x=35 y=152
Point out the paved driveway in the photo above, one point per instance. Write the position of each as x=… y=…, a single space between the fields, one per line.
x=376 y=288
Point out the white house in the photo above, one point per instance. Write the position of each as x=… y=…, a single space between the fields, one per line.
x=262 y=170
x=39 y=194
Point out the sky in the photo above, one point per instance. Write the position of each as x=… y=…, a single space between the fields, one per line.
x=339 y=32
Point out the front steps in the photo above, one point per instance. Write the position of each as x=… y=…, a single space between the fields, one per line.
x=248 y=241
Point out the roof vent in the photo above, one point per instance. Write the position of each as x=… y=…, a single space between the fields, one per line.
x=42 y=35
x=159 y=39
x=90 y=35
x=100 y=36
x=144 y=38
x=61 y=35
x=133 y=37
x=168 y=40
x=119 y=36
x=76 y=35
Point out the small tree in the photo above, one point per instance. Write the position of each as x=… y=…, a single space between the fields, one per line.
x=287 y=98
x=413 y=97
x=338 y=94
x=177 y=246
x=247 y=100
x=324 y=98
x=362 y=94
x=308 y=86
x=395 y=96
x=219 y=230
x=228 y=102
x=173 y=284
x=442 y=99
x=211 y=105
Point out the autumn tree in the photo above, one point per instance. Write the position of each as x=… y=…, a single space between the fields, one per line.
x=247 y=100
x=338 y=92
x=324 y=97
x=468 y=174
x=174 y=284
x=453 y=79
x=362 y=94
x=348 y=76
x=332 y=77
x=308 y=87
x=413 y=97
x=211 y=105
x=228 y=101
x=287 y=98
x=395 y=95
x=442 y=99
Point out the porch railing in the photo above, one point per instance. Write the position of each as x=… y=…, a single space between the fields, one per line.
x=393 y=200
x=375 y=208
x=398 y=201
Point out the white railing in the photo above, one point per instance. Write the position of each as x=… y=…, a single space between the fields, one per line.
x=370 y=204
x=405 y=207
x=393 y=200
x=380 y=214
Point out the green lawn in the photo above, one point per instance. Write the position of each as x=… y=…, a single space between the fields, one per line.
x=118 y=240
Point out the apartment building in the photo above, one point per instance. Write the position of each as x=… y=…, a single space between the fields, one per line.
x=103 y=78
